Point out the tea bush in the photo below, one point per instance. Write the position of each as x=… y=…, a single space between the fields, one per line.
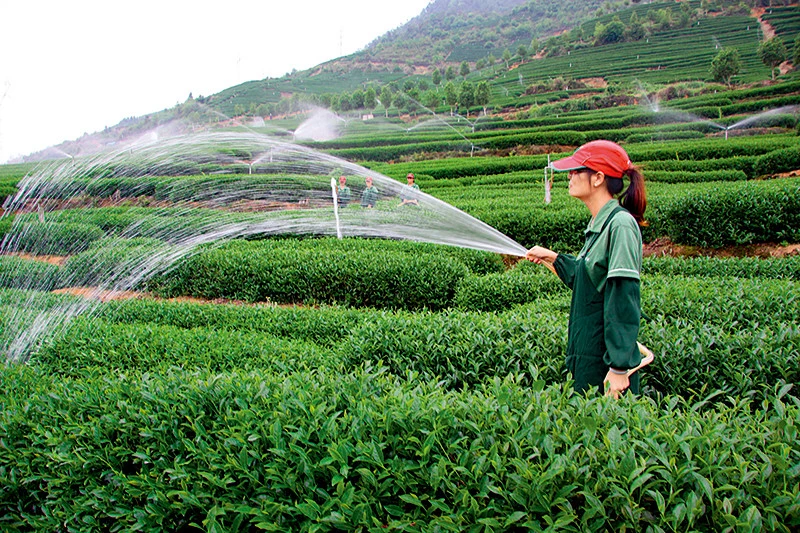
x=53 y=238
x=741 y=214
x=96 y=346
x=496 y=292
x=325 y=326
x=21 y=273
x=255 y=272
x=775 y=162
x=363 y=451
x=693 y=322
x=461 y=348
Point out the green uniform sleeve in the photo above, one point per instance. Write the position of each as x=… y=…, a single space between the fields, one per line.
x=565 y=268
x=622 y=313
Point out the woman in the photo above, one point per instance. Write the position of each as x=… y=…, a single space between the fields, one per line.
x=343 y=191
x=604 y=277
x=370 y=195
x=408 y=196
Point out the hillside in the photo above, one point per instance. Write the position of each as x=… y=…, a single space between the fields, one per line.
x=526 y=51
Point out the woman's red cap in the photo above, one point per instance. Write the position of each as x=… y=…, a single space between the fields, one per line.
x=601 y=156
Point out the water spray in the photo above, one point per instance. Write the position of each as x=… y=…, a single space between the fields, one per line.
x=183 y=194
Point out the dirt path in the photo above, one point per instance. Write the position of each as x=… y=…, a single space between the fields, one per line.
x=665 y=247
x=766 y=27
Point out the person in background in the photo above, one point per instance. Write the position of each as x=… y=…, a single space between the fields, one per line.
x=407 y=195
x=606 y=303
x=343 y=191
x=370 y=195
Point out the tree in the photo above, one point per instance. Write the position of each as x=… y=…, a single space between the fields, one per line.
x=482 y=94
x=466 y=95
x=613 y=32
x=431 y=99
x=634 y=31
x=772 y=53
x=386 y=99
x=506 y=56
x=400 y=101
x=725 y=65
x=522 y=51
x=796 y=52
x=450 y=95
x=464 y=69
x=412 y=101
x=450 y=73
x=370 y=98
x=436 y=78
x=357 y=99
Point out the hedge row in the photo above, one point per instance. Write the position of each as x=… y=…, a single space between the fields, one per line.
x=325 y=326
x=527 y=283
x=738 y=267
x=389 y=153
x=94 y=344
x=256 y=272
x=364 y=451
x=53 y=238
x=721 y=324
x=741 y=213
x=693 y=177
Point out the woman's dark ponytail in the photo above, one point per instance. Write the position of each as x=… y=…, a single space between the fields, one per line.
x=634 y=199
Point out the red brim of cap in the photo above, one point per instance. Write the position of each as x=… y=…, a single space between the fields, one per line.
x=568 y=163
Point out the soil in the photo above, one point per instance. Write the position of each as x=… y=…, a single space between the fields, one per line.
x=93 y=293
x=665 y=247
x=766 y=27
x=52 y=259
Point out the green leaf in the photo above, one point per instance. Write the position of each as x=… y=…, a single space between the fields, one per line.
x=514 y=517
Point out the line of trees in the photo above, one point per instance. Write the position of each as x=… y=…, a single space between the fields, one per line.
x=772 y=52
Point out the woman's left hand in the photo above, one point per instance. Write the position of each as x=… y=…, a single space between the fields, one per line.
x=616 y=383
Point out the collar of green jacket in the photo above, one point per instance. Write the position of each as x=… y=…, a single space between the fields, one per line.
x=596 y=224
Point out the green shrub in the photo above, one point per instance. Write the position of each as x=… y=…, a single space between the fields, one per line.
x=53 y=238
x=498 y=292
x=744 y=214
x=6 y=222
x=93 y=344
x=260 y=271
x=363 y=450
x=17 y=273
x=778 y=161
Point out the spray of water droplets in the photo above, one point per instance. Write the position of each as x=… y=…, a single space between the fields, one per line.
x=124 y=216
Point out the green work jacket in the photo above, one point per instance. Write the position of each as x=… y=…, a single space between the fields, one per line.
x=343 y=193
x=369 y=197
x=606 y=304
x=407 y=192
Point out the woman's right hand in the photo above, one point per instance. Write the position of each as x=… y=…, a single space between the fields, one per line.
x=539 y=254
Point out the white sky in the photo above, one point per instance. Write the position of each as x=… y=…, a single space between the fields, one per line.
x=74 y=67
